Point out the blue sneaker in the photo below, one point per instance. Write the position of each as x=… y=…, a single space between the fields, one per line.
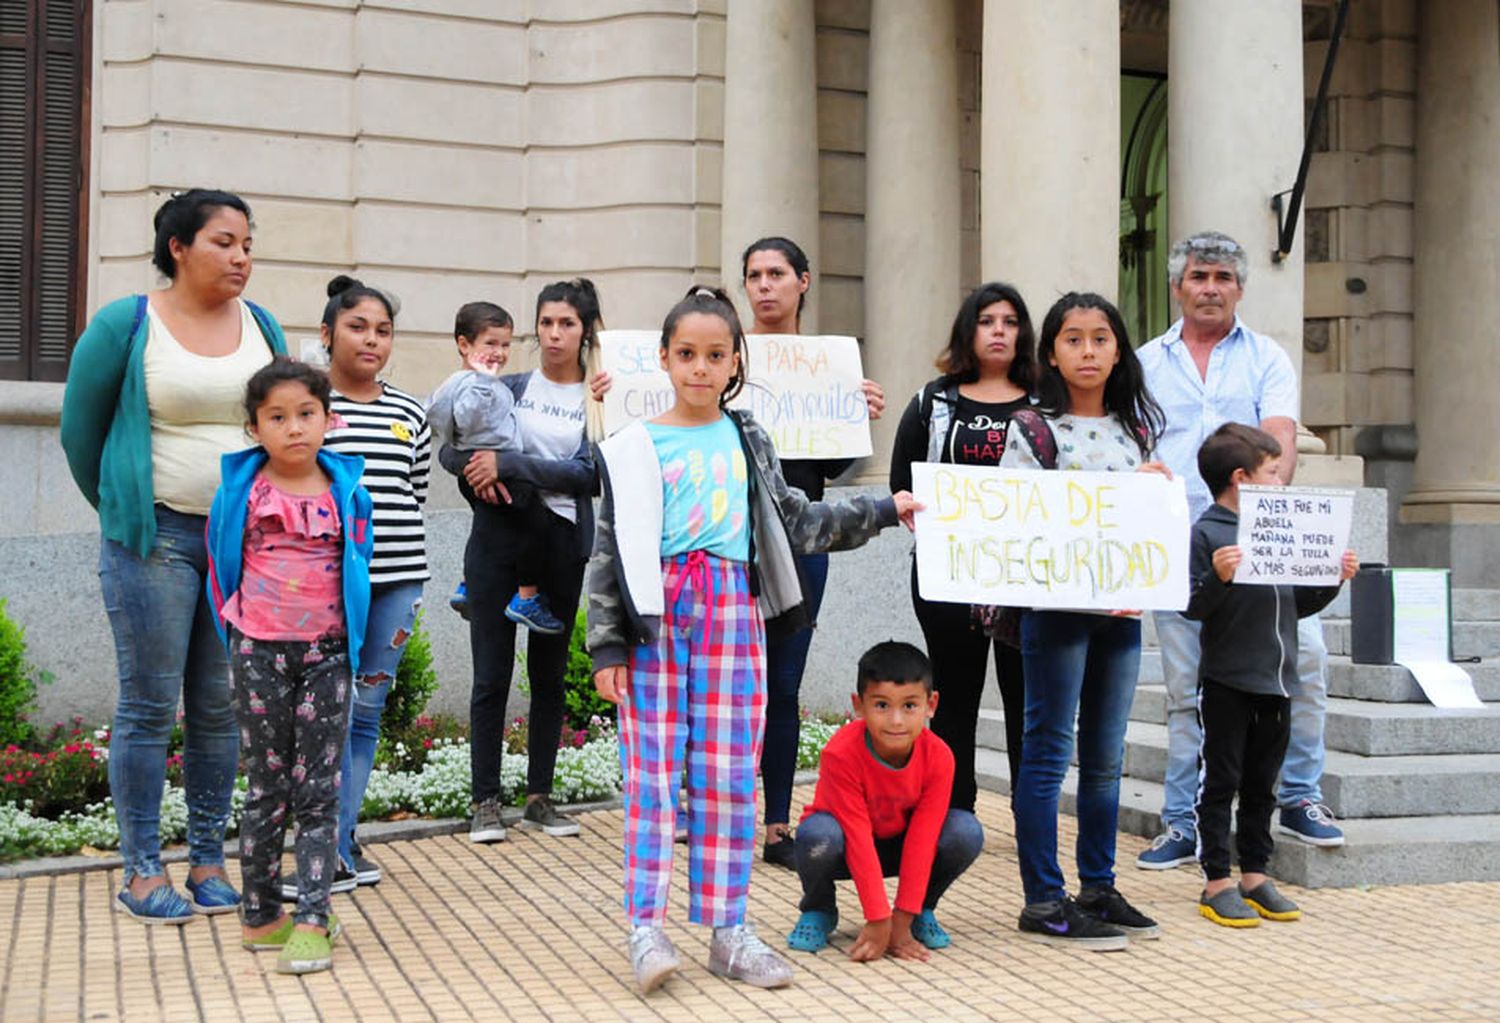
x=213 y=895
x=162 y=905
x=460 y=600
x=928 y=931
x=812 y=930
x=1174 y=848
x=1312 y=823
x=534 y=614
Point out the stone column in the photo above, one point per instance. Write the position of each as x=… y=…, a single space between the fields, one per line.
x=770 y=183
x=1235 y=135
x=1457 y=300
x=1050 y=147
x=911 y=280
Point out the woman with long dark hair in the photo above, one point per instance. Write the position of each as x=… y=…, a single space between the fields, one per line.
x=986 y=373
x=1080 y=666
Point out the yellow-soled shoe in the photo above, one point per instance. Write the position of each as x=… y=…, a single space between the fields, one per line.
x=1228 y=909
x=1270 y=903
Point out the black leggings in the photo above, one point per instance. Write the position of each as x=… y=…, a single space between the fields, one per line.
x=958 y=651
x=490 y=572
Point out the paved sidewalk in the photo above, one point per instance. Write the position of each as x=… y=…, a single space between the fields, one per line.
x=532 y=929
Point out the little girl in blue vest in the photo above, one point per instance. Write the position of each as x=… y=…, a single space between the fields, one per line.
x=289 y=545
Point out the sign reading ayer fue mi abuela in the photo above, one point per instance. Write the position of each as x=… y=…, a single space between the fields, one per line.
x=1293 y=535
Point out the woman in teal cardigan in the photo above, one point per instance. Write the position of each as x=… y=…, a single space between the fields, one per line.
x=154 y=397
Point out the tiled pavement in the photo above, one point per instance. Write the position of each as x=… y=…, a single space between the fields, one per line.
x=532 y=930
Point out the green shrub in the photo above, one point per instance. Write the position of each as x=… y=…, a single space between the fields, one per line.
x=416 y=680
x=18 y=682
x=581 y=701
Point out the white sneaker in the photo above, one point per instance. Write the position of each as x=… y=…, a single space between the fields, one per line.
x=738 y=954
x=653 y=957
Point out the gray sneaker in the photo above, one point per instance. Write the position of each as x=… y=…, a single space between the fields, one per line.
x=738 y=954
x=543 y=816
x=1270 y=903
x=486 y=824
x=1228 y=909
x=653 y=957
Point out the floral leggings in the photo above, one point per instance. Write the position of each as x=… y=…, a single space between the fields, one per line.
x=292 y=702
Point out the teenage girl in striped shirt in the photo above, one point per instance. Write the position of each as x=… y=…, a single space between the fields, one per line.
x=388 y=427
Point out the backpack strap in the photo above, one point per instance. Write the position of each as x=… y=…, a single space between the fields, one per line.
x=140 y=314
x=939 y=415
x=1038 y=435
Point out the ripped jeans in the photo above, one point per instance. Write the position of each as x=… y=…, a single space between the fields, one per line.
x=393 y=610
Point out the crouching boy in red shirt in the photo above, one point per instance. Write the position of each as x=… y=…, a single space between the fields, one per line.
x=881 y=809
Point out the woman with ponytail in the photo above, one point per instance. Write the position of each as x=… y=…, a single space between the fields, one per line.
x=557 y=433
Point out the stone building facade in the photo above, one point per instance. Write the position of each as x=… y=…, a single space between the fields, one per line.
x=455 y=149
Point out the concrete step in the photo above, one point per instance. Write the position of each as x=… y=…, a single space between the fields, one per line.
x=1354 y=786
x=1470 y=639
x=1396 y=850
x=1476 y=605
x=1391 y=683
x=1376 y=729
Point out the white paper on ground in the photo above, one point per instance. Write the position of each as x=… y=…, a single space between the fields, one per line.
x=1445 y=683
x=1420 y=639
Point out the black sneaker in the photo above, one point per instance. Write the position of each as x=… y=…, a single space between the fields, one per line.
x=366 y=871
x=782 y=853
x=1108 y=905
x=1063 y=923
x=544 y=817
x=344 y=881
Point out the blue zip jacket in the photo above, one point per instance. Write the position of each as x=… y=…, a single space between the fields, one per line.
x=106 y=423
x=226 y=536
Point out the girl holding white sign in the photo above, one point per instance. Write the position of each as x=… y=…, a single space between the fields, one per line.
x=1080 y=665
x=678 y=638
x=988 y=370
x=776 y=276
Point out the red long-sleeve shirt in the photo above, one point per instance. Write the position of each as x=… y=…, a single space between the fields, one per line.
x=872 y=800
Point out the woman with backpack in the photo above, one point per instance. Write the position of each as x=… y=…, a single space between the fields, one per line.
x=988 y=370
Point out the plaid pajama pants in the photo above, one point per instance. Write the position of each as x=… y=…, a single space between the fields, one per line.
x=698 y=693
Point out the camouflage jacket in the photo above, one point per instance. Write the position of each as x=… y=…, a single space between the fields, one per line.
x=625 y=590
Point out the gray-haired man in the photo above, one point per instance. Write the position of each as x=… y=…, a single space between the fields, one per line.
x=1206 y=370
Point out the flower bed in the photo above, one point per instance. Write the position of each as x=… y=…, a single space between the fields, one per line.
x=424 y=773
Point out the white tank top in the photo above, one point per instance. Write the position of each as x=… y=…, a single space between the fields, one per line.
x=197 y=405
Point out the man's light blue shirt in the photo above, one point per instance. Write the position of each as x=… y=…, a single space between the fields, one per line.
x=1250 y=379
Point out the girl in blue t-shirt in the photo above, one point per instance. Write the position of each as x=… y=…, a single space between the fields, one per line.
x=677 y=636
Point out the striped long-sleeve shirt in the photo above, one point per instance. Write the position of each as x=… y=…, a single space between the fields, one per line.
x=391 y=433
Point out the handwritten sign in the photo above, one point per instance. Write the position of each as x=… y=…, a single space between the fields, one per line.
x=805 y=391
x=1293 y=535
x=1032 y=538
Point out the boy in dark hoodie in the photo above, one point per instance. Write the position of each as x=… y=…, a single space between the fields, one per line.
x=1249 y=659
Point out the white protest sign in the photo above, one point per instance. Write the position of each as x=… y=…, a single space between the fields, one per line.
x=805 y=391
x=1293 y=535
x=1034 y=538
x=1420 y=632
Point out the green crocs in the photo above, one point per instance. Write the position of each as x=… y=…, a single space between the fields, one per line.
x=277 y=939
x=812 y=930
x=305 y=952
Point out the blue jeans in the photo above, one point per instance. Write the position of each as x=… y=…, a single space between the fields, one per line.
x=167 y=648
x=393 y=610
x=786 y=659
x=820 y=857
x=1082 y=665
x=1301 y=771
